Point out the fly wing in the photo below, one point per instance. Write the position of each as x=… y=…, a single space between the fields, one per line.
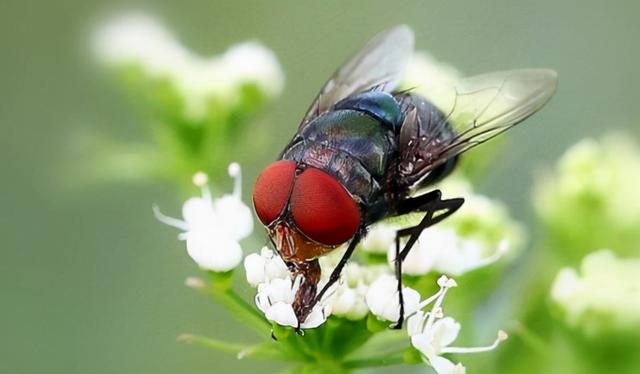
x=474 y=110
x=379 y=65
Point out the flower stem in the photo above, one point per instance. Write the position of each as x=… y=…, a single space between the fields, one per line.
x=374 y=362
x=220 y=289
x=218 y=345
x=531 y=339
x=265 y=351
x=242 y=310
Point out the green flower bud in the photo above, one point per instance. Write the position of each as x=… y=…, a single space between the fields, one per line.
x=591 y=199
x=602 y=296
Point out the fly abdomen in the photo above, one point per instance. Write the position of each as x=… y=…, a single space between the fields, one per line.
x=422 y=133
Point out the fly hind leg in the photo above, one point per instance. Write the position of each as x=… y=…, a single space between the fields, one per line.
x=430 y=203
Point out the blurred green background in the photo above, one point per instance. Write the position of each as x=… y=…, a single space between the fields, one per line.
x=91 y=283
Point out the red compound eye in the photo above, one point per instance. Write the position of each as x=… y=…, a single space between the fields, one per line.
x=322 y=209
x=271 y=192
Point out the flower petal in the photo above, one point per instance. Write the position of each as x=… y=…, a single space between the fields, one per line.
x=316 y=318
x=254 y=267
x=444 y=332
x=198 y=213
x=382 y=298
x=238 y=220
x=282 y=314
x=444 y=366
x=213 y=252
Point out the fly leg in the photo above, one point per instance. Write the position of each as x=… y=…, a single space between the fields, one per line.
x=431 y=203
x=335 y=275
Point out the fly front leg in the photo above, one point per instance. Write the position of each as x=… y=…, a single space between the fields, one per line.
x=430 y=203
x=335 y=274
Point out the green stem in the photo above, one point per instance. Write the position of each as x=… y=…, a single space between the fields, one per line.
x=243 y=311
x=226 y=347
x=530 y=339
x=220 y=289
x=374 y=362
x=265 y=351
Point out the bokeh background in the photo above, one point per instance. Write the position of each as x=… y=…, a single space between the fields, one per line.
x=91 y=283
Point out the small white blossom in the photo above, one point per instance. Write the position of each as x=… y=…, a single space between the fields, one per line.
x=432 y=333
x=347 y=296
x=213 y=228
x=263 y=267
x=275 y=299
x=349 y=302
x=382 y=298
x=348 y=299
x=442 y=250
x=140 y=40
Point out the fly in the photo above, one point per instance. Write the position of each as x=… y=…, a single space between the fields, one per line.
x=363 y=150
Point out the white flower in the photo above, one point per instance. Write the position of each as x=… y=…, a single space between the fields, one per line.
x=604 y=296
x=349 y=302
x=432 y=333
x=140 y=40
x=348 y=299
x=442 y=250
x=275 y=299
x=211 y=227
x=382 y=298
x=347 y=296
x=263 y=267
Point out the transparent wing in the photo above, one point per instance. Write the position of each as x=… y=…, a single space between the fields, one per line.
x=475 y=110
x=378 y=65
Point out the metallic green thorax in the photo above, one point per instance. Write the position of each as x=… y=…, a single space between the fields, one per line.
x=355 y=133
x=354 y=142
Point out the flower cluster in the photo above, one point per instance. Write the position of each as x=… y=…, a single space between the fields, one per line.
x=598 y=182
x=140 y=42
x=603 y=296
x=198 y=106
x=431 y=332
x=479 y=234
